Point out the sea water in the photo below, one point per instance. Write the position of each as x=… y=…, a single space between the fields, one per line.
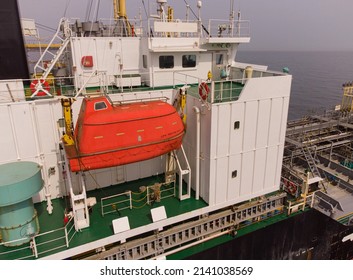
x=317 y=76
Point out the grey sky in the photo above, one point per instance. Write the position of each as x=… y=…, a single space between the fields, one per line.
x=274 y=24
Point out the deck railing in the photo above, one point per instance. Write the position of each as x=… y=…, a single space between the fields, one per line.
x=130 y=200
x=228 y=29
x=116 y=203
x=216 y=91
x=41 y=244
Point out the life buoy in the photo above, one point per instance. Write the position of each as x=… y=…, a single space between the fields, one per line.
x=285 y=182
x=44 y=87
x=292 y=188
x=204 y=90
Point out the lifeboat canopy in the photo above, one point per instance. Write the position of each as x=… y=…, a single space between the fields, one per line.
x=108 y=135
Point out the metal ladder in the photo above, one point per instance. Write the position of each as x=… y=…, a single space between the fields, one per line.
x=312 y=165
x=63 y=29
x=184 y=171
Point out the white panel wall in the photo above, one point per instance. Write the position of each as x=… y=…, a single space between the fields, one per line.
x=271 y=165
x=8 y=139
x=109 y=54
x=263 y=123
x=247 y=173
x=135 y=171
x=223 y=132
x=235 y=163
x=259 y=170
x=23 y=114
x=254 y=151
x=166 y=77
x=250 y=125
x=236 y=137
x=221 y=179
x=275 y=121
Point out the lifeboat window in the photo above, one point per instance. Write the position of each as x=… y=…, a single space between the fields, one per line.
x=100 y=106
x=166 y=61
x=189 y=61
x=234 y=173
x=237 y=125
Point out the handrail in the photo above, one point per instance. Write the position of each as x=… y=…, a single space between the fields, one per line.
x=34 y=245
x=115 y=203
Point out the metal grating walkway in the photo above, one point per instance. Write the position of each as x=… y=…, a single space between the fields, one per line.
x=207 y=226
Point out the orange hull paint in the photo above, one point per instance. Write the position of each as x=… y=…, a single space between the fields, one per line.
x=109 y=135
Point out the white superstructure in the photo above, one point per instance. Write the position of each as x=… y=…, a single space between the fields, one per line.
x=234 y=137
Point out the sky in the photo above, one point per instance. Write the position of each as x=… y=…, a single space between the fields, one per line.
x=279 y=25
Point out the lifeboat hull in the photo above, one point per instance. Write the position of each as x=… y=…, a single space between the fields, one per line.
x=108 y=135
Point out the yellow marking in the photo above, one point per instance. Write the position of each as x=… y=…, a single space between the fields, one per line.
x=159 y=127
x=98 y=137
x=144 y=105
x=174 y=123
x=120 y=134
x=140 y=130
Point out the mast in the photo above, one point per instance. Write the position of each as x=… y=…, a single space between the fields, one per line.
x=119 y=7
x=122 y=9
x=116 y=10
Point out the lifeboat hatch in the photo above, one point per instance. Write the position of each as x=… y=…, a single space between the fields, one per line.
x=109 y=135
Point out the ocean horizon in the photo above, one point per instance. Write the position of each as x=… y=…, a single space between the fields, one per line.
x=317 y=76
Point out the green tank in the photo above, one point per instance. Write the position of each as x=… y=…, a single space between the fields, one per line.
x=19 y=181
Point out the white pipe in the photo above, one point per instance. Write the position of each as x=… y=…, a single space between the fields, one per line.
x=41 y=159
x=198 y=132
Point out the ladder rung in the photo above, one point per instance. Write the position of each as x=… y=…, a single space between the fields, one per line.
x=40 y=67
x=61 y=39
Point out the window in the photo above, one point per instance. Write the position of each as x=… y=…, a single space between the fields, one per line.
x=234 y=173
x=237 y=125
x=100 y=106
x=166 y=61
x=189 y=61
x=219 y=58
x=144 y=61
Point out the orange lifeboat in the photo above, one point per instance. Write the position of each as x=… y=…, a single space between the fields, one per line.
x=110 y=135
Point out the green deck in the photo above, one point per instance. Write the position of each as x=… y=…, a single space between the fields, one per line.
x=100 y=226
x=224 y=91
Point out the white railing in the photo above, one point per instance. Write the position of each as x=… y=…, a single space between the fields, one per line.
x=114 y=201
x=22 y=89
x=164 y=193
x=230 y=29
x=42 y=244
x=218 y=91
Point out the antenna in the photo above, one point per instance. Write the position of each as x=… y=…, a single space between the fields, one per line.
x=199 y=6
x=161 y=9
x=231 y=17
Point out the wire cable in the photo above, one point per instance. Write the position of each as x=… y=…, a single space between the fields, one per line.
x=144 y=7
x=203 y=27
x=66 y=7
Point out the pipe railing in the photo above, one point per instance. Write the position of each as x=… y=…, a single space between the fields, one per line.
x=43 y=243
